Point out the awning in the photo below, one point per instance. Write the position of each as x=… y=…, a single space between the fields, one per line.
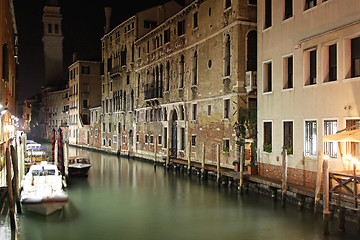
x=346 y=136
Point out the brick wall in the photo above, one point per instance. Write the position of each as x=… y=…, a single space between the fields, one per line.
x=295 y=176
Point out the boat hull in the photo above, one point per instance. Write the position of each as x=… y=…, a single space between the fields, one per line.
x=79 y=171
x=45 y=206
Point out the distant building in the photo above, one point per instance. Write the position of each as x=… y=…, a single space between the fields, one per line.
x=28 y=107
x=59 y=112
x=8 y=55
x=84 y=93
x=95 y=127
x=52 y=40
x=309 y=69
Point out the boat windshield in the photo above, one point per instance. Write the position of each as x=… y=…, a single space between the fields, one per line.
x=45 y=172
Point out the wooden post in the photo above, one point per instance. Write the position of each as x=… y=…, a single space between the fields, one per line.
x=56 y=153
x=203 y=162
x=284 y=178
x=341 y=219
x=9 y=188
x=66 y=158
x=218 y=163
x=155 y=150
x=241 y=162
x=318 y=183
x=326 y=213
x=14 y=159
x=189 y=158
x=168 y=153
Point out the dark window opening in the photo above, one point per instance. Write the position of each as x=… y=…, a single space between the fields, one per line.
x=332 y=63
x=288 y=9
x=268 y=16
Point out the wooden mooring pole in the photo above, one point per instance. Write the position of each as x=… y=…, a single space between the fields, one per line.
x=10 y=189
x=168 y=153
x=14 y=159
x=189 y=158
x=218 y=163
x=326 y=212
x=241 y=162
x=318 y=184
x=203 y=162
x=284 y=178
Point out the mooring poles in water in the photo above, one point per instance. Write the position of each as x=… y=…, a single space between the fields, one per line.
x=9 y=188
x=14 y=159
x=203 y=162
x=284 y=178
x=326 y=212
x=189 y=158
x=318 y=183
x=218 y=163
x=241 y=162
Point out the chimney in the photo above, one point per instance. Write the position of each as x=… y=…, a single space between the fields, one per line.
x=107 y=19
x=74 y=57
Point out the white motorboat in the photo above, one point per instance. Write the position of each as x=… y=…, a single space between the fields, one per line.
x=34 y=152
x=42 y=189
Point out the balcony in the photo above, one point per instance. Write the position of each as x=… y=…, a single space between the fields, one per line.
x=152 y=92
x=115 y=71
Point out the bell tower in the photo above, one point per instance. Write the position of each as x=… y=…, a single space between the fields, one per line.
x=52 y=40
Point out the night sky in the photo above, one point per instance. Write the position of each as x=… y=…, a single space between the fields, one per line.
x=83 y=27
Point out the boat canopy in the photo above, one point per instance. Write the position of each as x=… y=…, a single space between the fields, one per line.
x=345 y=136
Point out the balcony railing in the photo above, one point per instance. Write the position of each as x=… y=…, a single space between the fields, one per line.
x=152 y=92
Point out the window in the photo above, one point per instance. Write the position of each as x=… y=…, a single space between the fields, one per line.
x=227 y=56
x=195 y=68
x=56 y=28
x=209 y=12
x=5 y=62
x=194 y=111
x=310 y=138
x=226 y=108
x=85 y=103
x=137 y=138
x=288 y=9
x=195 y=18
x=268 y=137
x=165 y=137
x=330 y=148
x=49 y=28
x=268 y=16
x=226 y=145
x=355 y=57
x=288 y=137
x=110 y=126
x=309 y=4
x=103 y=88
x=85 y=88
x=182 y=71
x=109 y=142
x=288 y=74
x=310 y=67
x=267 y=77
x=146 y=139
x=149 y=24
x=193 y=140
x=159 y=140
x=168 y=76
x=182 y=137
x=253 y=2
x=181 y=28
x=227 y=4
x=167 y=35
x=209 y=110
x=330 y=63
x=151 y=139
x=85 y=70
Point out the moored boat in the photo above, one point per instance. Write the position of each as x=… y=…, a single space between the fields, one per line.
x=79 y=166
x=42 y=189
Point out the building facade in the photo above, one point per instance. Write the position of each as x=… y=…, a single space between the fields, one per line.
x=84 y=93
x=8 y=54
x=190 y=84
x=309 y=68
x=118 y=81
x=95 y=127
x=59 y=112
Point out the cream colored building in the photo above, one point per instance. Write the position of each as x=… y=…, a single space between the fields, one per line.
x=84 y=93
x=308 y=71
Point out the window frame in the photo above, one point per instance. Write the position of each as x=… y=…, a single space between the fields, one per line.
x=312 y=143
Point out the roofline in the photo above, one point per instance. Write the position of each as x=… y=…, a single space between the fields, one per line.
x=82 y=61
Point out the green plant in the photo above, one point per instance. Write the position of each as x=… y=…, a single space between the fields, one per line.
x=288 y=148
x=226 y=150
x=268 y=147
x=235 y=162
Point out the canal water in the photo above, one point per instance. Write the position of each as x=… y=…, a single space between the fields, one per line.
x=129 y=199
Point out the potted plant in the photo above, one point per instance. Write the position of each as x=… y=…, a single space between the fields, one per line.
x=236 y=166
x=252 y=168
x=267 y=147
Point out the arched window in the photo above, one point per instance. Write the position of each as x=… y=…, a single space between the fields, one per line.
x=251 y=51
x=227 y=56
x=132 y=100
x=161 y=80
x=167 y=76
x=124 y=101
x=182 y=71
x=195 y=68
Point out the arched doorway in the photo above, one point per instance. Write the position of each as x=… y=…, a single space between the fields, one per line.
x=131 y=136
x=174 y=135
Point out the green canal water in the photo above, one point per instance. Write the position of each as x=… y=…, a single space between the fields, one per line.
x=128 y=199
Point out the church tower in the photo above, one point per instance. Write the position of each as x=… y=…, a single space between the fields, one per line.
x=52 y=40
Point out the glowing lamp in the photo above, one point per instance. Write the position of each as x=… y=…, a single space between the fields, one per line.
x=326 y=157
x=348 y=157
